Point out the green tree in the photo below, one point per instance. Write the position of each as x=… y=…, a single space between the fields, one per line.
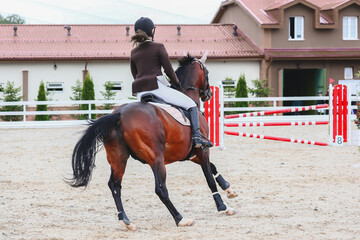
x=109 y=94
x=241 y=91
x=76 y=95
x=229 y=89
x=76 y=91
x=41 y=97
x=261 y=89
x=357 y=74
x=12 y=19
x=88 y=93
x=12 y=94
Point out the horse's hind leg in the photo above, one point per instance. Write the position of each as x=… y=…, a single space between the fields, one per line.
x=160 y=189
x=225 y=185
x=117 y=155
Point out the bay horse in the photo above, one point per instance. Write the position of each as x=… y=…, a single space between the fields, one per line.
x=152 y=136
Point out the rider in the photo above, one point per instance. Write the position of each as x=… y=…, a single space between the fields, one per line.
x=147 y=58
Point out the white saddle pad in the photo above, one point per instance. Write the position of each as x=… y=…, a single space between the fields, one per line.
x=175 y=113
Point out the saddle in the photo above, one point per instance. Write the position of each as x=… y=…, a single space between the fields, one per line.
x=178 y=113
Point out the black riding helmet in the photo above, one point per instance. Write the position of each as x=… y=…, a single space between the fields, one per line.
x=145 y=24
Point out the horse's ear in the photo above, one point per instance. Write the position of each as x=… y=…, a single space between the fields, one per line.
x=204 y=57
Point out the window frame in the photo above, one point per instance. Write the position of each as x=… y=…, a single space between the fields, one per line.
x=48 y=89
x=295 y=28
x=351 y=70
x=347 y=19
x=117 y=84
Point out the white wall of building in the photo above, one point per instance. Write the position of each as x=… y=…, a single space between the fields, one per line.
x=218 y=71
x=101 y=72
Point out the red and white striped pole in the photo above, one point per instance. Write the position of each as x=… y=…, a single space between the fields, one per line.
x=268 y=124
x=292 y=140
x=286 y=110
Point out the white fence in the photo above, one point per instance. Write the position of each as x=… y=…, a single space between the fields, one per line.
x=276 y=101
x=55 y=123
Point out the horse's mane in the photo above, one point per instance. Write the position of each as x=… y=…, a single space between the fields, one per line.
x=184 y=64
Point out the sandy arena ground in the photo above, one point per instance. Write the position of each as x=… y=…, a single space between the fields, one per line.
x=286 y=191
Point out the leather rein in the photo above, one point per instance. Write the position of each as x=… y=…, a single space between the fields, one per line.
x=203 y=93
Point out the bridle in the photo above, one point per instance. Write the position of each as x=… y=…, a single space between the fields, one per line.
x=207 y=93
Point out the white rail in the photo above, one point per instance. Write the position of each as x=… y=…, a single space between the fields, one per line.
x=55 y=123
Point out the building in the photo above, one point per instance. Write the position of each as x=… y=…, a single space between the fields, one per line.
x=305 y=42
x=59 y=55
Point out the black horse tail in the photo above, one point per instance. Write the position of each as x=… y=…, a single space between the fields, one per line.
x=83 y=157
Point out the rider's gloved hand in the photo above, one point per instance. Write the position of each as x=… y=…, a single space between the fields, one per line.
x=176 y=86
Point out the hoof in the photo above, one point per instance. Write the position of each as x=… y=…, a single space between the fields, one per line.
x=231 y=193
x=186 y=222
x=229 y=211
x=131 y=226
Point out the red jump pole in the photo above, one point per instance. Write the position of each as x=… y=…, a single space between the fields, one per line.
x=292 y=140
x=294 y=109
x=266 y=124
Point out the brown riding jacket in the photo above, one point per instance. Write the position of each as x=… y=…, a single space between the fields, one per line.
x=146 y=62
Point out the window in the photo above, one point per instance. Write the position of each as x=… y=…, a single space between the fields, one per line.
x=350 y=28
x=55 y=86
x=348 y=73
x=296 y=28
x=117 y=86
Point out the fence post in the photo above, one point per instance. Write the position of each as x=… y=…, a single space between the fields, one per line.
x=89 y=110
x=221 y=120
x=349 y=114
x=331 y=120
x=24 y=111
x=217 y=116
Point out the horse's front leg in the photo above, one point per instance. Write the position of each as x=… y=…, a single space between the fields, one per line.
x=205 y=166
x=160 y=189
x=225 y=185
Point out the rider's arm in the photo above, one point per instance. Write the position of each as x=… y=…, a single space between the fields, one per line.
x=133 y=68
x=166 y=64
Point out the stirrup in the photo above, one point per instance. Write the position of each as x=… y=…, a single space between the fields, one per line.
x=199 y=141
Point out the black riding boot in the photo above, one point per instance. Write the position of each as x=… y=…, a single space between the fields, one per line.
x=198 y=139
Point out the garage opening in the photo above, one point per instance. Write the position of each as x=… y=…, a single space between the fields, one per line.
x=303 y=82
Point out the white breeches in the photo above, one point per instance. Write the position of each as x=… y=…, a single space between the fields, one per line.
x=170 y=96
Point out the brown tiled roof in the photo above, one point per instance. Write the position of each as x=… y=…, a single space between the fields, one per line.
x=41 y=42
x=263 y=10
x=321 y=53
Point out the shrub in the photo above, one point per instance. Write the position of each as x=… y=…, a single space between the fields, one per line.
x=12 y=94
x=241 y=91
x=88 y=93
x=109 y=94
x=76 y=91
x=229 y=89
x=260 y=89
x=41 y=97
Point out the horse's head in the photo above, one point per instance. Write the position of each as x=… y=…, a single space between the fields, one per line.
x=193 y=75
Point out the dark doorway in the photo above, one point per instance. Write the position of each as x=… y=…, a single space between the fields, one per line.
x=303 y=82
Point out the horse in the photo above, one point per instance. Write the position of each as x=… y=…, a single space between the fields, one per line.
x=149 y=134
